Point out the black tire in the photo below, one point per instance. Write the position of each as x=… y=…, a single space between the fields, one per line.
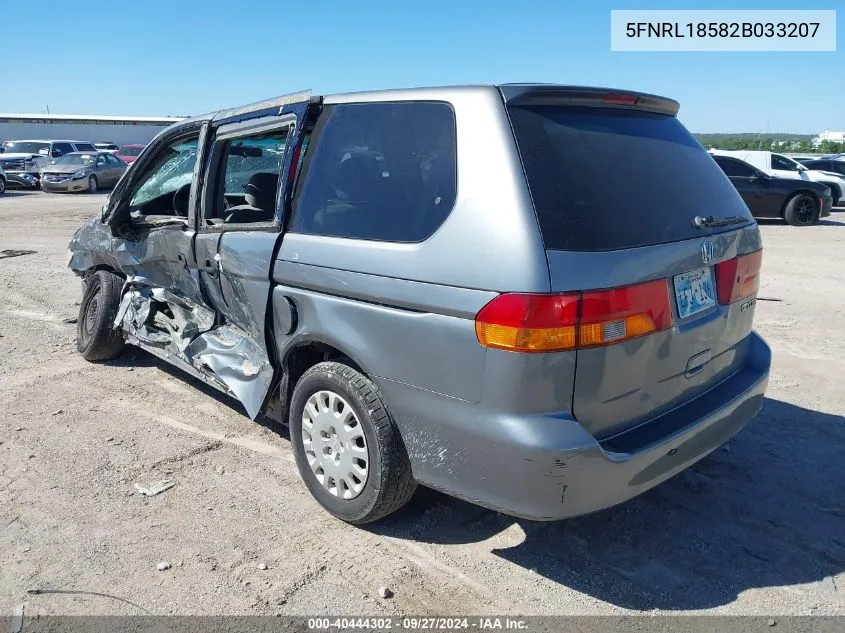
x=2 y=185
x=390 y=484
x=802 y=209
x=96 y=339
x=93 y=183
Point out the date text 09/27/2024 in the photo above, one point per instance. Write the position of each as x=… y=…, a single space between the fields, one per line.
x=412 y=623
x=721 y=29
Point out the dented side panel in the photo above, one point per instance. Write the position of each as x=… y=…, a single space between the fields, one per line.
x=181 y=331
x=245 y=261
x=198 y=301
x=238 y=361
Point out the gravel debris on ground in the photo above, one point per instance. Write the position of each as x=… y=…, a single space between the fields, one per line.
x=756 y=529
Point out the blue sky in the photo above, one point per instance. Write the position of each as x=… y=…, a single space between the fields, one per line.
x=156 y=57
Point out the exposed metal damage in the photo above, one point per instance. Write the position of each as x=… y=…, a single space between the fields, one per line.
x=185 y=333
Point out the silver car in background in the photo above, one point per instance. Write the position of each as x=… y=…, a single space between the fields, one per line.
x=82 y=171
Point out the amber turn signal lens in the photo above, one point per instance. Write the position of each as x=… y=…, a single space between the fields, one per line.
x=557 y=322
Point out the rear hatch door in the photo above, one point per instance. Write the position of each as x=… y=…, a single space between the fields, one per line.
x=625 y=195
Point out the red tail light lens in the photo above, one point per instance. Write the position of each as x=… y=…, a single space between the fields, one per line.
x=529 y=322
x=547 y=323
x=620 y=314
x=294 y=164
x=621 y=99
x=739 y=277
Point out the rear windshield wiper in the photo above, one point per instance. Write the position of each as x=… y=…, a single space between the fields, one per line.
x=709 y=221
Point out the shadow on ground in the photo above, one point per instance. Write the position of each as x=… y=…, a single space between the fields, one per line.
x=16 y=193
x=769 y=511
x=828 y=221
x=139 y=358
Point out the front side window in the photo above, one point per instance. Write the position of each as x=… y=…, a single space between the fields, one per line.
x=247 y=181
x=783 y=163
x=171 y=172
x=378 y=171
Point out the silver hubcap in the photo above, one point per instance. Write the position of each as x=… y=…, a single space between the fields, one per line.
x=335 y=446
x=92 y=185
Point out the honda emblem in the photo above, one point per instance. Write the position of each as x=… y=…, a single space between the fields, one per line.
x=707 y=252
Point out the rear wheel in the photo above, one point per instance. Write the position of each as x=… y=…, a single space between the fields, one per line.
x=802 y=209
x=2 y=185
x=347 y=448
x=92 y=184
x=96 y=339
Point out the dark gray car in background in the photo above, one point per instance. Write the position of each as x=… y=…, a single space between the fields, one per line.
x=537 y=298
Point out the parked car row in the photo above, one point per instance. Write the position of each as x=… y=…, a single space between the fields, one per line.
x=776 y=186
x=24 y=161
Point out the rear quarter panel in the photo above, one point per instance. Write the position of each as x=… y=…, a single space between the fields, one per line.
x=405 y=311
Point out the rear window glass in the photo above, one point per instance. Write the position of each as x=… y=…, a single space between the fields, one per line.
x=378 y=171
x=604 y=179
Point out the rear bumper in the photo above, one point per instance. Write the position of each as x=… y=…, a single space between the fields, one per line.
x=547 y=467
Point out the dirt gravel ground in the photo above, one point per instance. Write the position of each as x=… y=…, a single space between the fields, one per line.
x=756 y=528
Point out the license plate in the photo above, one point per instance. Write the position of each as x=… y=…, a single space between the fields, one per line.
x=694 y=292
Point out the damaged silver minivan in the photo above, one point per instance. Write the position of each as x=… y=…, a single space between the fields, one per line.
x=537 y=298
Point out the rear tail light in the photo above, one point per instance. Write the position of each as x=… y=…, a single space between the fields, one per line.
x=556 y=322
x=529 y=322
x=294 y=164
x=739 y=277
x=620 y=314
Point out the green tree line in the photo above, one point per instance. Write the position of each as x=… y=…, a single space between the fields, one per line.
x=792 y=143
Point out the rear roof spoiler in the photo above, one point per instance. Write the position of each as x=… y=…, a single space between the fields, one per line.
x=551 y=94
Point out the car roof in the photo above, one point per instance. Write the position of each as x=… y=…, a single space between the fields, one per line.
x=511 y=91
x=514 y=92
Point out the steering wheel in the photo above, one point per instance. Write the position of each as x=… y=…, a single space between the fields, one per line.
x=181 y=199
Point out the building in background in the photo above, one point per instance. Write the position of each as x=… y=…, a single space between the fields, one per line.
x=833 y=137
x=120 y=130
